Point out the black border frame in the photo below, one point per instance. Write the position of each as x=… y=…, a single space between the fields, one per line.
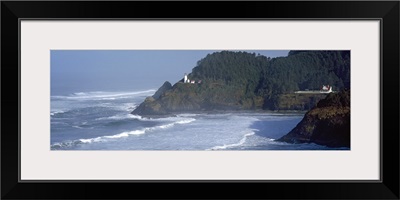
x=386 y=11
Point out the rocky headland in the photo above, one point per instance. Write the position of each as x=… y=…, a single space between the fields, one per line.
x=241 y=81
x=326 y=124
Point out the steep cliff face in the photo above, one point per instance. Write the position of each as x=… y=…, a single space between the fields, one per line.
x=184 y=97
x=326 y=124
x=151 y=105
x=166 y=86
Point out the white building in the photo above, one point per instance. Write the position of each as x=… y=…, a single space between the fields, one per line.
x=326 y=89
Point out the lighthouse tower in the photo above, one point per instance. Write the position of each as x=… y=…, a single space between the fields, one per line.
x=185 y=79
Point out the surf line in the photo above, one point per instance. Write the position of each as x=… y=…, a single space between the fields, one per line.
x=241 y=142
x=120 y=135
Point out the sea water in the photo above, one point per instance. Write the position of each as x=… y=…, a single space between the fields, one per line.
x=101 y=120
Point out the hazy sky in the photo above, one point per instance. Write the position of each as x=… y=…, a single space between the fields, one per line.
x=123 y=70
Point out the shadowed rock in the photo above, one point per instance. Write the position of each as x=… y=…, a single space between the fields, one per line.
x=326 y=124
x=166 y=86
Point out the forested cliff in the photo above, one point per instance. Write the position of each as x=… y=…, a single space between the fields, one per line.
x=230 y=80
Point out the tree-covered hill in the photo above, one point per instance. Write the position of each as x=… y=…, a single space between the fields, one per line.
x=241 y=80
x=302 y=70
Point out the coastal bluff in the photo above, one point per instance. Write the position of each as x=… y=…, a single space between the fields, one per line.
x=326 y=124
x=236 y=81
x=183 y=97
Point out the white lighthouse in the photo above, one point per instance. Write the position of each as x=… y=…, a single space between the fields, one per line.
x=185 y=79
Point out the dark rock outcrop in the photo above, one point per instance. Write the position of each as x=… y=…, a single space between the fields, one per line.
x=326 y=124
x=150 y=107
x=183 y=97
x=166 y=86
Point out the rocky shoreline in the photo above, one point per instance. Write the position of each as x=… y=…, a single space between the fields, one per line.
x=228 y=82
x=327 y=124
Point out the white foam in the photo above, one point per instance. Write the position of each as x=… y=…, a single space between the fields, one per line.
x=80 y=93
x=79 y=127
x=135 y=116
x=56 y=112
x=226 y=146
x=123 y=134
x=178 y=119
x=126 y=134
x=102 y=138
x=136 y=132
x=90 y=140
x=120 y=117
x=187 y=115
x=63 y=144
x=86 y=140
x=186 y=121
x=119 y=106
x=127 y=107
x=164 y=126
x=103 y=95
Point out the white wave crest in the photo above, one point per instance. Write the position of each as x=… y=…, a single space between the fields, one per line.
x=80 y=93
x=126 y=134
x=178 y=119
x=80 y=127
x=56 y=112
x=103 y=95
x=135 y=116
x=120 y=135
x=90 y=140
x=186 y=121
x=120 y=117
x=226 y=146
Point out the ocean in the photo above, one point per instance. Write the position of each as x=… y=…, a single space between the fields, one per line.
x=101 y=120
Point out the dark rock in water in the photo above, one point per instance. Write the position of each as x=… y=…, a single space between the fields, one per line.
x=326 y=124
x=170 y=99
x=166 y=86
x=149 y=107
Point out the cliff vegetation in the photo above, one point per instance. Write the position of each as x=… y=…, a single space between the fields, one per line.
x=230 y=80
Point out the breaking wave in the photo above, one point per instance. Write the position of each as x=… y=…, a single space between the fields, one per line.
x=56 y=112
x=140 y=118
x=227 y=146
x=103 y=95
x=120 y=135
x=120 y=117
